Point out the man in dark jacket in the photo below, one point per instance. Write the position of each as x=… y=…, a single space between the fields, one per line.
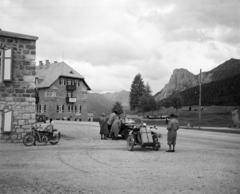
x=173 y=126
x=103 y=126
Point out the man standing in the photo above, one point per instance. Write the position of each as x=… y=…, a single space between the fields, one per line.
x=172 y=128
x=112 y=117
x=103 y=126
x=115 y=128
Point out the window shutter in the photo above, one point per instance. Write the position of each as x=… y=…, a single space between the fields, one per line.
x=7 y=122
x=62 y=108
x=7 y=65
x=57 y=108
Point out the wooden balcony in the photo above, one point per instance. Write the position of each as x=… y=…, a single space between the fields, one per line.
x=71 y=87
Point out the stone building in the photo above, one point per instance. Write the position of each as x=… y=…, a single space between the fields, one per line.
x=17 y=85
x=61 y=92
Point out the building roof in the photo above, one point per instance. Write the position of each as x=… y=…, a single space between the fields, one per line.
x=17 y=35
x=49 y=73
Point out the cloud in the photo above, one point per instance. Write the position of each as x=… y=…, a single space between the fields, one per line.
x=195 y=20
x=109 y=42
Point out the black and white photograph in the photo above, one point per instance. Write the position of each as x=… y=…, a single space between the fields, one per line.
x=119 y=97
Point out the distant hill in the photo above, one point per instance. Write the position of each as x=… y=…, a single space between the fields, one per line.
x=122 y=96
x=225 y=92
x=182 y=79
x=227 y=69
x=103 y=102
x=98 y=104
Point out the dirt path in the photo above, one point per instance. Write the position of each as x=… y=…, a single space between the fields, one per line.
x=205 y=162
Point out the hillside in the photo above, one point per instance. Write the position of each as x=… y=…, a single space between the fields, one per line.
x=224 y=92
x=98 y=104
x=182 y=79
x=227 y=69
x=122 y=97
x=103 y=102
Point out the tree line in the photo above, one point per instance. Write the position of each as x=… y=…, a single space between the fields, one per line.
x=224 y=92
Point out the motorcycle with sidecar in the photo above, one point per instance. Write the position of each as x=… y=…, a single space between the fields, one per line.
x=145 y=136
x=41 y=135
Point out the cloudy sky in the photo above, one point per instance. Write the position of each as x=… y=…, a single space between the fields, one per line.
x=110 y=41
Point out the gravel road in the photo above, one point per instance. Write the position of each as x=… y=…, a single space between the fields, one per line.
x=204 y=162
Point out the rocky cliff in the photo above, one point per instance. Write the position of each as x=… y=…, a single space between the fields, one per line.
x=180 y=80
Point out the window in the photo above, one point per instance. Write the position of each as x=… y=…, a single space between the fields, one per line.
x=5 y=65
x=80 y=109
x=41 y=108
x=60 y=108
x=50 y=94
x=70 y=94
x=45 y=108
x=60 y=81
x=75 y=108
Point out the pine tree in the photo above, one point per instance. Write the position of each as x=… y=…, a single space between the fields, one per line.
x=137 y=90
x=147 y=90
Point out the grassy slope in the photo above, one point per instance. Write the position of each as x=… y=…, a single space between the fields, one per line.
x=215 y=116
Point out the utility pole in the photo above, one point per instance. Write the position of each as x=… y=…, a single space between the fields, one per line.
x=200 y=99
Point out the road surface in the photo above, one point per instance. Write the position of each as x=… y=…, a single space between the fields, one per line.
x=204 y=162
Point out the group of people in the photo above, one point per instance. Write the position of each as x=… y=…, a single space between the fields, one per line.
x=110 y=126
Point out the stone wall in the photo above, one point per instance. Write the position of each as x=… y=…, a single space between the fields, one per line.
x=18 y=95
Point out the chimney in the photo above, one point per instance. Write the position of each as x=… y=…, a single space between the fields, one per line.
x=47 y=63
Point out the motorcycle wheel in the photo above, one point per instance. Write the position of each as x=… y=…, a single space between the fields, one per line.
x=55 y=140
x=130 y=143
x=156 y=146
x=28 y=140
x=44 y=139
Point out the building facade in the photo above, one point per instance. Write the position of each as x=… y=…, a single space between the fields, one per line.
x=17 y=85
x=61 y=92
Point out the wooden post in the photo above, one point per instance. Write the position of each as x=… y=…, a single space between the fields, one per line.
x=200 y=99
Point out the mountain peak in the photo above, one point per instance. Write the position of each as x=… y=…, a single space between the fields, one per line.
x=180 y=80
